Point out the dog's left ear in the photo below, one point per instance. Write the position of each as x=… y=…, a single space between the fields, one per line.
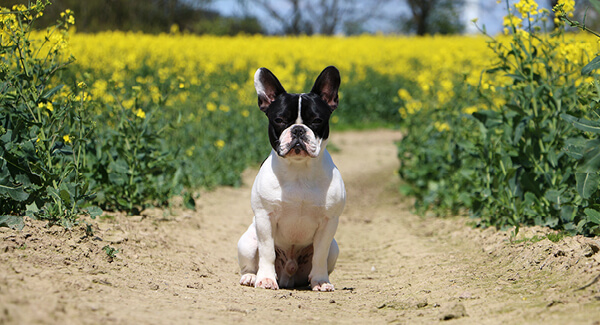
x=327 y=85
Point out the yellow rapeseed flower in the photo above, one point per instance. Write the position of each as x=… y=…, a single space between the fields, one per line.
x=190 y=151
x=527 y=8
x=441 y=126
x=83 y=96
x=129 y=103
x=220 y=144
x=67 y=139
x=211 y=107
x=512 y=20
x=19 y=7
x=140 y=113
x=568 y=6
x=404 y=94
x=402 y=112
x=413 y=106
x=47 y=106
x=470 y=110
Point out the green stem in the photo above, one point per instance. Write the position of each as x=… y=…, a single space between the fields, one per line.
x=578 y=25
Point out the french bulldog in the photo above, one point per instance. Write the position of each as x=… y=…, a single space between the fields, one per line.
x=298 y=194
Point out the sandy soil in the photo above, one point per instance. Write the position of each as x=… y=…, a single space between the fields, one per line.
x=179 y=266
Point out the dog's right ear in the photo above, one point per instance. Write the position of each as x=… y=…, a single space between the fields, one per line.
x=267 y=87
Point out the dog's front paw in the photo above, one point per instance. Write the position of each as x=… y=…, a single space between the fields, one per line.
x=248 y=279
x=267 y=283
x=320 y=283
x=322 y=286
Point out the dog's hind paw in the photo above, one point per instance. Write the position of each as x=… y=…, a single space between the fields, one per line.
x=248 y=279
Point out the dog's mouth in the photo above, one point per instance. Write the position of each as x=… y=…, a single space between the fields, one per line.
x=297 y=149
x=298 y=143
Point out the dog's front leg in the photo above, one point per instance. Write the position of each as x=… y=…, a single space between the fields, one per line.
x=319 y=276
x=266 y=276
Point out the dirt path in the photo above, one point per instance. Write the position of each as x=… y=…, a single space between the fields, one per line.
x=179 y=267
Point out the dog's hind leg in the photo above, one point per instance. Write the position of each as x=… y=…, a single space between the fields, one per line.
x=334 y=251
x=248 y=256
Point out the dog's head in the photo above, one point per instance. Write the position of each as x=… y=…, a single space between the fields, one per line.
x=298 y=123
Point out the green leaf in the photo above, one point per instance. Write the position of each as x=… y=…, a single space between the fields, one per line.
x=519 y=130
x=31 y=209
x=65 y=196
x=591 y=157
x=593 y=215
x=52 y=91
x=574 y=147
x=552 y=158
x=518 y=77
x=593 y=65
x=553 y=196
x=94 y=211
x=119 y=166
x=189 y=201
x=587 y=184
x=582 y=124
x=567 y=212
x=16 y=193
x=52 y=192
x=12 y=222
x=488 y=118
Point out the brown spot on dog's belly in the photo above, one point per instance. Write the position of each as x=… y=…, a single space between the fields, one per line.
x=293 y=266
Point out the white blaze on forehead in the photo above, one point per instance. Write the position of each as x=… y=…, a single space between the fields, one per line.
x=299 y=119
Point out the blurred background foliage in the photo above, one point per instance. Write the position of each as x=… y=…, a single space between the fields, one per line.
x=294 y=16
x=290 y=17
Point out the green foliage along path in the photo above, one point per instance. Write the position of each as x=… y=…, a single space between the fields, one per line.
x=526 y=152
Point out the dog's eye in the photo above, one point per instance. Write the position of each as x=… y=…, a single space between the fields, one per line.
x=317 y=121
x=279 y=120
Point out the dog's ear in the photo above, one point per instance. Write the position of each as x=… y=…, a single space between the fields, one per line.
x=267 y=87
x=327 y=85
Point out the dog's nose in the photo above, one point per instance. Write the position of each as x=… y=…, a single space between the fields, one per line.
x=298 y=132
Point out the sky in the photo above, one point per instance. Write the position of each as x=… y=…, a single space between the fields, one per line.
x=488 y=12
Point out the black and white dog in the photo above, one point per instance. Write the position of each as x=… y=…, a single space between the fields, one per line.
x=298 y=194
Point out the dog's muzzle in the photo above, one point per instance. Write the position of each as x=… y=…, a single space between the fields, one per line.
x=298 y=140
x=297 y=143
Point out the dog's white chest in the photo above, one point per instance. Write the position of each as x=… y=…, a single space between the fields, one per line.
x=298 y=201
x=299 y=215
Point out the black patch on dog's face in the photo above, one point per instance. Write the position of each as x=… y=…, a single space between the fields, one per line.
x=283 y=113
x=315 y=115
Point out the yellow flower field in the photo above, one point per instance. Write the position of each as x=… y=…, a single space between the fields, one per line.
x=195 y=60
x=189 y=62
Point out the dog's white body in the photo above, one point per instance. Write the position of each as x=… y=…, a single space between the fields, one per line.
x=298 y=208
x=297 y=198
